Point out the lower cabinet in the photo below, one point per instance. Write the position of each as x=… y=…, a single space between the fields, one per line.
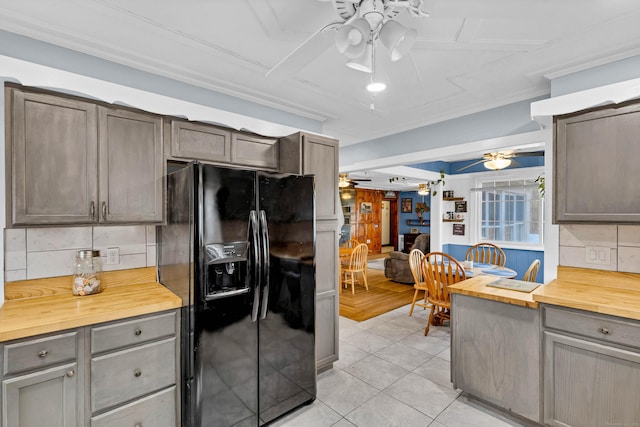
x=495 y=353
x=591 y=369
x=122 y=373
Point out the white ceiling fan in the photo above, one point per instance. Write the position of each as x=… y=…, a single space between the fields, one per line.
x=501 y=159
x=362 y=24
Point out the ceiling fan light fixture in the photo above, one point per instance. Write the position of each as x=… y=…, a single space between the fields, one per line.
x=423 y=189
x=343 y=181
x=362 y=63
x=376 y=87
x=497 y=163
x=351 y=40
x=373 y=12
x=397 y=39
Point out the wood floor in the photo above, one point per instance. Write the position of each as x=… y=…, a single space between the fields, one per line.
x=383 y=296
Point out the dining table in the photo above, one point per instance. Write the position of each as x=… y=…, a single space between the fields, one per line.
x=488 y=269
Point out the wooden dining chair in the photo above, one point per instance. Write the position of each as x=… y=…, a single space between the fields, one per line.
x=532 y=272
x=351 y=243
x=486 y=253
x=440 y=271
x=415 y=259
x=357 y=265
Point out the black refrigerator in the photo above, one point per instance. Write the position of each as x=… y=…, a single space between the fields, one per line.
x=239 y=248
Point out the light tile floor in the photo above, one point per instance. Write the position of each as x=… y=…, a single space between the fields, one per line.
x=390 y=374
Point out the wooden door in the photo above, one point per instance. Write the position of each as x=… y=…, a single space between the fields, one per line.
x=54 y=159
x=131 y=166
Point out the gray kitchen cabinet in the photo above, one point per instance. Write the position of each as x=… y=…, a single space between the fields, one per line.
x=199 y=141
x=106 y=375
x=595 y=154
x=591 y=369
x=54 y=159
x=134 y=368
x=308 y=154
x=255 y=151
x=495 y=353
x=42 y=380
x=131 y=166
x=75 y=162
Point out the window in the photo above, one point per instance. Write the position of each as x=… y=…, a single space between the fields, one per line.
x=511 y=212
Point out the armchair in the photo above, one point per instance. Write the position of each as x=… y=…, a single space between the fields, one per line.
x=396 y=265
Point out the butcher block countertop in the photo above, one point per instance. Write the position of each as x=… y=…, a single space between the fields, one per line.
x=34 y=307
x=477 y=287
x=599 y=291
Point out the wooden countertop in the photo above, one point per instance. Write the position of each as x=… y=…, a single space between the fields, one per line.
x=613 y=293
x=41 y=306
x=598 y=291
x=477 y=287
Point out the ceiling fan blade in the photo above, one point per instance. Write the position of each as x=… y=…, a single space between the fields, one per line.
x=528 y=154
x=472 y=164
x=356 y=179
x=305 y=53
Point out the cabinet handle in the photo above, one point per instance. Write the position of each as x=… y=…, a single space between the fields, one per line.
x=92 y=209
x=138 y=425
x=138 y=332
x=71 y=373
x=603 y=331
x=104 y=210
x=42 y=354
x=137 y=373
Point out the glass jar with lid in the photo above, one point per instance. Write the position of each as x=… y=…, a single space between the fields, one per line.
x=87 y=273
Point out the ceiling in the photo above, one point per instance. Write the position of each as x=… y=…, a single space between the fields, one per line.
x=470 y=55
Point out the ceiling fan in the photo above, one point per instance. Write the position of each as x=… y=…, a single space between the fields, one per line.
x=363 y=23
x=500 y=159
x=344 y=181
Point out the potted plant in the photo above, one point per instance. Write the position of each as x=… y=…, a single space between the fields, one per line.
x=421 y=208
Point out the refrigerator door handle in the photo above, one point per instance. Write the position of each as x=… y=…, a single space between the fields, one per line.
x=264 y=228
x=257 y=270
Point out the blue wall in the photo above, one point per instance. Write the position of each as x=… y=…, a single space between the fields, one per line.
x=517 y=259
x=403 y=217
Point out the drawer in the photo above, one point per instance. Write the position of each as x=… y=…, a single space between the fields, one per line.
x=156 y=410
x=41 y=352
x=133 y=332
x=592 y=325
x=125 y=375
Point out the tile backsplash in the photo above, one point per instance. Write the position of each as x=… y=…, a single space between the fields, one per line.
x=621 y=241
x=34 y=253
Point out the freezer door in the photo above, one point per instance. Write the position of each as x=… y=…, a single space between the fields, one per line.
x=287 y=320
x=226 y=318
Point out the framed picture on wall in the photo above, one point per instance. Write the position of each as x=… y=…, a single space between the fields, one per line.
x=407 y=205
x=460 y=206
x=365 y=208
x=458 y=229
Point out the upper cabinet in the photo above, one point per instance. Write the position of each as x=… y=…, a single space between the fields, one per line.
x=308 y=154
x=74 y=162
x=596 y=166
x=208 y=143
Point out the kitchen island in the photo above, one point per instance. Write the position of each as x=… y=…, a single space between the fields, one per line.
x=566 y=354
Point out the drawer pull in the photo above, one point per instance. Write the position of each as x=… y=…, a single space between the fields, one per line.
x=603 y=331
x=42 y=354
x=138 y=425
x=138 y=331
x=71 y=373
x=137 y=373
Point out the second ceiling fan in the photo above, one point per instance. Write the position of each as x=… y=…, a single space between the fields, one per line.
x=501 y=159
x=344 y=181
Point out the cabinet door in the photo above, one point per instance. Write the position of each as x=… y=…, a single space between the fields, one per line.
x=198 y=141
x=587 y=384
x=53 y=160
x=595 y=154
x=131 y=166
x=249 y=150
x=47 y=397
x=327 y=303
x=321 y=160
